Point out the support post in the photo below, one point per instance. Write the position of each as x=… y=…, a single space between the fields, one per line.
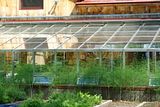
x=55 y=60
x=33 y=65
x=148 y=63
x=13 y=65
x=100 y=58
x=124 y=60
x=111 y=61
x=33 y=61
x=77 y=62
x=155 y=61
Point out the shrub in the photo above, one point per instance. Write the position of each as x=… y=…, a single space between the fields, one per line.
x=24 y=73
x=15 y=94
x=10 y=94
x=68 y=99
x=35 y=102
x=2 y=94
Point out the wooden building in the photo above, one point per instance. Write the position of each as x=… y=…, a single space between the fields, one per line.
x=76 y=7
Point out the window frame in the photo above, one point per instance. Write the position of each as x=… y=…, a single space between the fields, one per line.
x=22 y=7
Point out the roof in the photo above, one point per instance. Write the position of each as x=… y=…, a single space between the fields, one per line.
x=114 y=1
x=94 y=36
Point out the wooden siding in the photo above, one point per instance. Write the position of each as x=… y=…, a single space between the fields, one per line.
x=12 y=8
x=129 y=8
x=68 y=7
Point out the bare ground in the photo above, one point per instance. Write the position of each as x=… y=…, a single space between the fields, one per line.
x=123 y=104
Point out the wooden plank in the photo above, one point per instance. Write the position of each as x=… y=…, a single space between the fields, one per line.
x=141 y=104
x=64 y=7
x=122 y=9
x=108 y=10
x=129 y=8
x=105 y=104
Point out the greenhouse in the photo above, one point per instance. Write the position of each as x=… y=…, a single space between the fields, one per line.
x=109 y=53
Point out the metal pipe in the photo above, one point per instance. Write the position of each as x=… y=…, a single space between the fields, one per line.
x=78 y=63
x=124 y=59
x=148 y=63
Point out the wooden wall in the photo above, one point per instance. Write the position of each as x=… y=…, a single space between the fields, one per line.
x=117 y=8
x=68 y=7
x=12 y=8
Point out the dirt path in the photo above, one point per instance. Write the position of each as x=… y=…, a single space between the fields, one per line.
x=133 y=104
x=123 y=104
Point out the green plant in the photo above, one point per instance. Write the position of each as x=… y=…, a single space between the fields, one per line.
x=35 y=102
x=62 y=74
x=2 y=93
x=24 y=73
x=68 y=99
x=14 y=94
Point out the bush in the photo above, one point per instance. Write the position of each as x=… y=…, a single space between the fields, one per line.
x=2 y=94
x=10 y=94
x=35 y=102
x=24 y=73
x=15 y=94
x=69 y=99
x=66 y=99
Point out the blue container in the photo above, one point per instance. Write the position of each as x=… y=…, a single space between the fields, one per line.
x=8 y=105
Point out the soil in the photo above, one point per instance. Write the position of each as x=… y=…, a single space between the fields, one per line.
x=123 y=104
x=132 y=104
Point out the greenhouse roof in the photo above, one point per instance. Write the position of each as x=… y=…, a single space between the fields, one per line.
x=93 y=36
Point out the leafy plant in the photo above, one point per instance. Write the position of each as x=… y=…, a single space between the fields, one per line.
x=62 y=74
x=24 y=73
x=15 y=94
x=10 y=93
x=2 y=93
x=35 y=102
x=68 y=99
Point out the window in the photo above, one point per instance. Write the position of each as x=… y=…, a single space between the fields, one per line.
x=31 y=4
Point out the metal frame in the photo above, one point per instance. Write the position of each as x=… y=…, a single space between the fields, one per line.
x=86 y=26
x=80 y=49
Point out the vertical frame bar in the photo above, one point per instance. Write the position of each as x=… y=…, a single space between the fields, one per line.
x=124 y=59
x=111 y=61
x=100 y=58
x=13 y=65
x=33 y=61
x=148 y=63
x=155 y=60
x=55 y=60
x=78 y=63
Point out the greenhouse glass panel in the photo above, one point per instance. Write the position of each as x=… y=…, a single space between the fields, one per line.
x=146 y=33
x=124 y=33
x=80 y=36
x=114 y=45
x=138 y=45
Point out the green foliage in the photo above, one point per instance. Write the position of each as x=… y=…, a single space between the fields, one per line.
x=62 y=74
x=24 y=73
x=134 y=74
x=15 y=94
x=33 y=102
x=2 y=93
x=2 y=76
x=11 y=94
x=65 y=99
x=91 y=69
x=68 y=99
